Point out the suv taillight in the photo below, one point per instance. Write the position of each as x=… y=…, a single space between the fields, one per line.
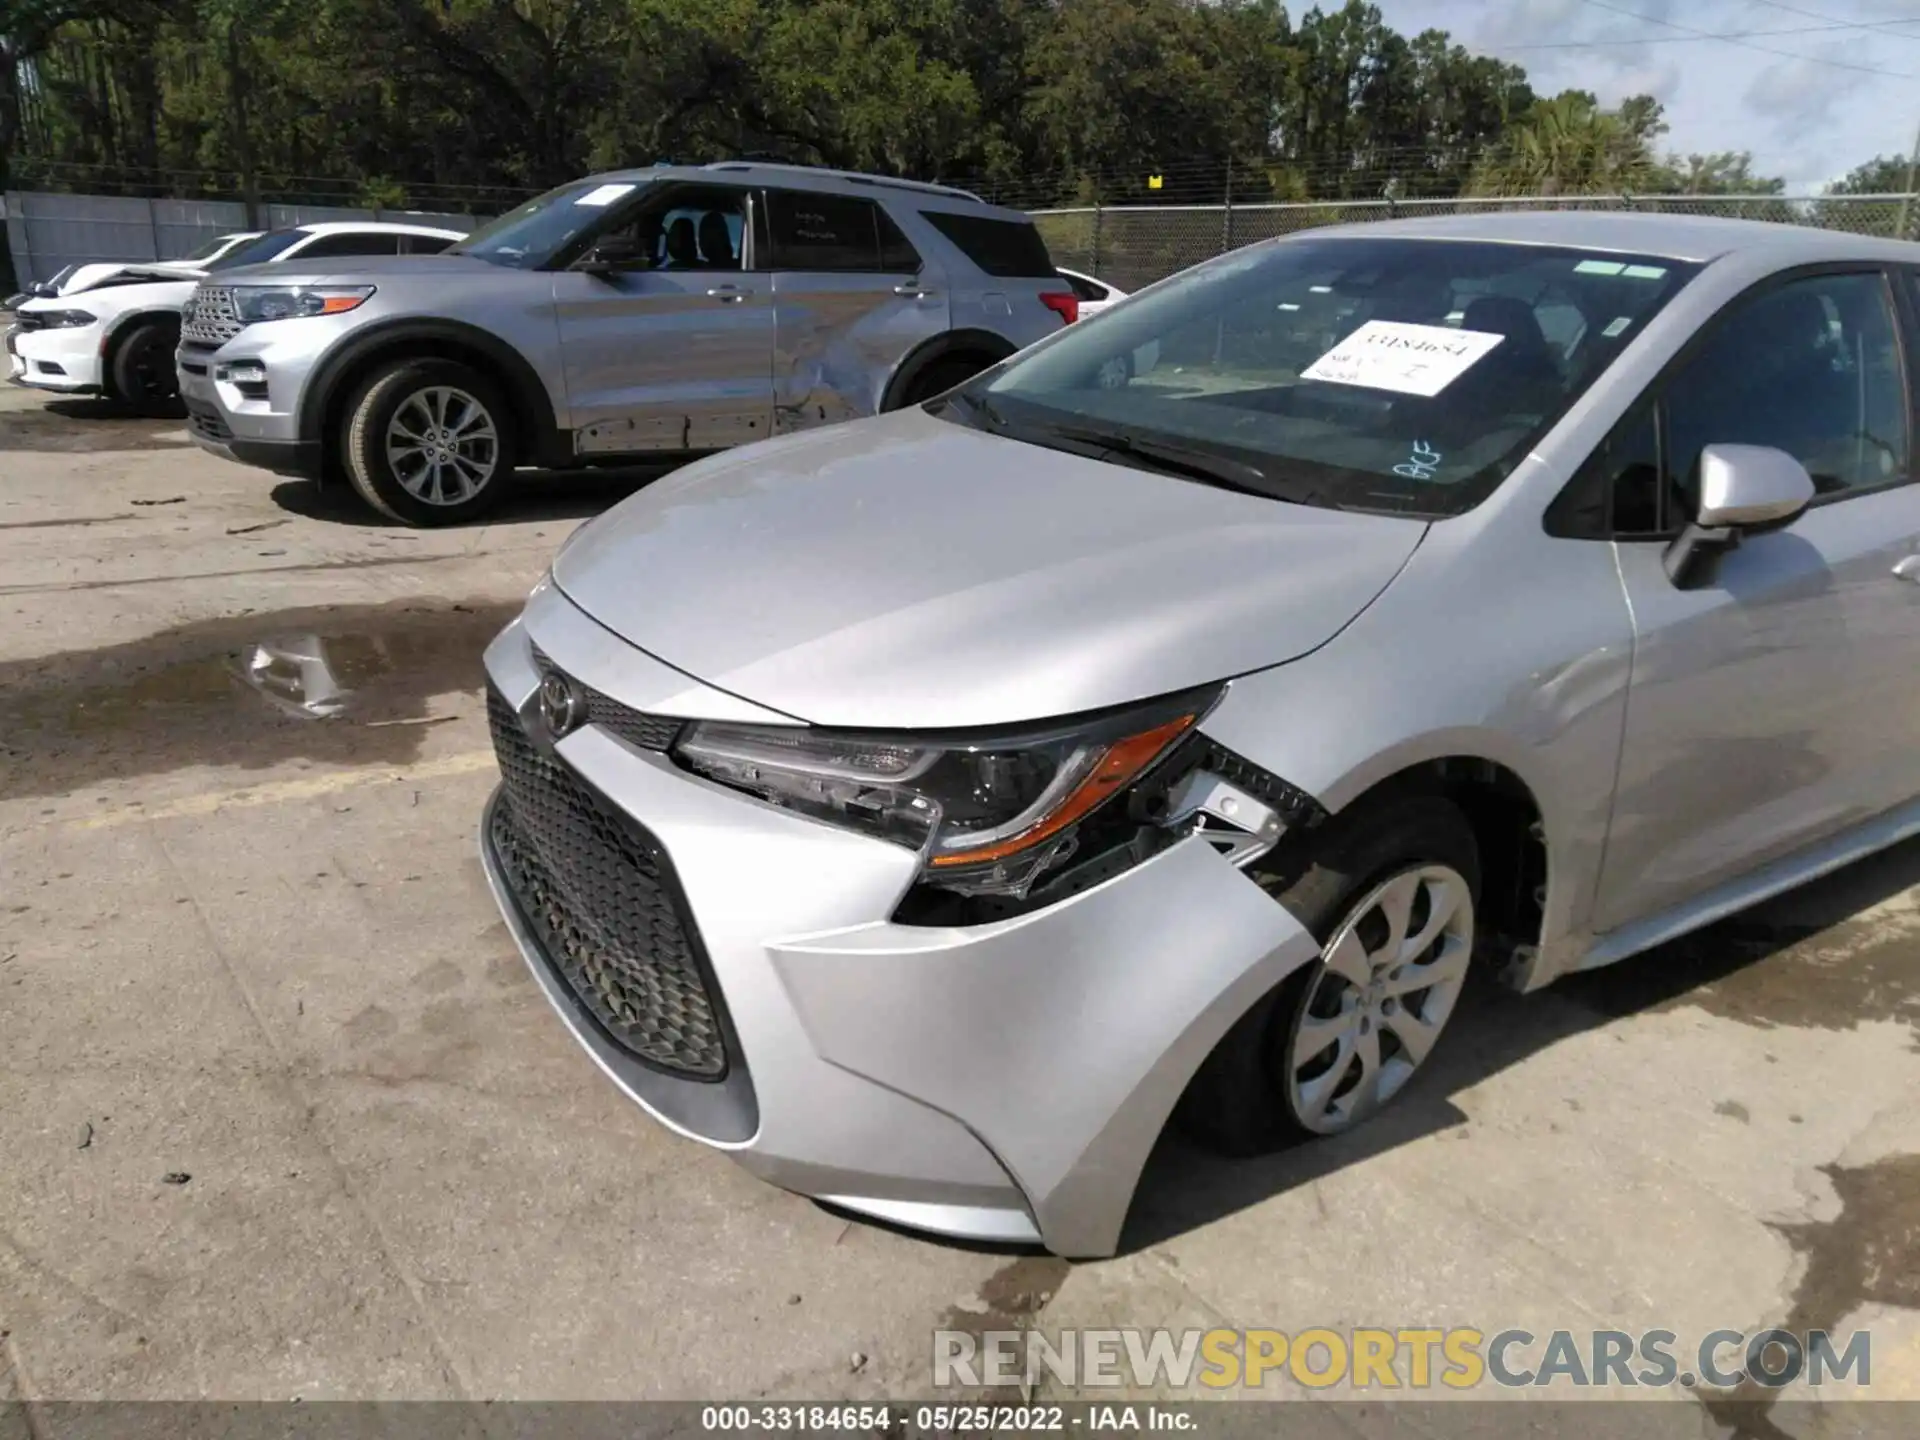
x=1063 y=303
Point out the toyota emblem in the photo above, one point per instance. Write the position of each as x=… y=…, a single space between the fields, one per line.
x=562 y=707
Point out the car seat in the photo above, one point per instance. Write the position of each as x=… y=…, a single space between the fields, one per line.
x=716 y=242
x=682 y=253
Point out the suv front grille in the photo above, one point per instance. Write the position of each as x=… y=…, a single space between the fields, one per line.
x=211 y=316
x=636 y=727
x=601 y=897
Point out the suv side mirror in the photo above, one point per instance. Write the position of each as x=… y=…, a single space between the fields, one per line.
x=1744 y=490
x=611 y=253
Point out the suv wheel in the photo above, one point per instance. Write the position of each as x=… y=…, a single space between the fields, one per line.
x=142 y=375
x=427 y=442
x=1389 y=892
x=941 y=376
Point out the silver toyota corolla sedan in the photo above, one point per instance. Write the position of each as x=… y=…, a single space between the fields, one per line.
x=928 y=809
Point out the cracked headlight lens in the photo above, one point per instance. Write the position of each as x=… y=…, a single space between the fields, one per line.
x=986 y=814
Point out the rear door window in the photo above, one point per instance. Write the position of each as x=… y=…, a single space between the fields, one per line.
x=1010 y=249
x=824 y=232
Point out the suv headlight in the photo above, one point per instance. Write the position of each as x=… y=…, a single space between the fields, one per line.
x=66 y=319
x=257 y=303
x=987 y=814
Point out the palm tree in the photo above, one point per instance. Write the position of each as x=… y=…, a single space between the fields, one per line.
x=1566 y=145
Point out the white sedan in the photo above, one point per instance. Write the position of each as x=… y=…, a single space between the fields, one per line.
x=1095 y=296
x=116 y=336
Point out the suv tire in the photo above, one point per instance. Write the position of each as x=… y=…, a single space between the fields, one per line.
x=1247 y=1098
x=941 y=376
x=141 y=375
x=428 y=442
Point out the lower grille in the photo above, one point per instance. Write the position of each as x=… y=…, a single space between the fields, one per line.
x=206 y=423
x=603 y=901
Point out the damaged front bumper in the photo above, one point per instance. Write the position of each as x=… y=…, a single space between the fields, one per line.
x=1001 y=1082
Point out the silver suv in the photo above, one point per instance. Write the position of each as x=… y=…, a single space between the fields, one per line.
x=671 y=310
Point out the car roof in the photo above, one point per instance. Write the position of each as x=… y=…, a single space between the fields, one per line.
x=816 y=177
x=1672 y=237
x=370 y=227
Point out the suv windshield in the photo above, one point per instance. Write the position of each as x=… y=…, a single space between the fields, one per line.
x=1373 y=374
x=261 y=247
x=530 y=236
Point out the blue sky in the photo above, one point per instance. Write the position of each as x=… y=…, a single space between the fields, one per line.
x=1803 y=119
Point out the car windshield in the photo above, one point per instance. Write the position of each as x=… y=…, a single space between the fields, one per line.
x=209 y=250
x=1361 y=373
x=261 y=247
x=530 y=236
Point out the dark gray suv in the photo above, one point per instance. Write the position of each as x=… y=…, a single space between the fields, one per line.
x=667 y=311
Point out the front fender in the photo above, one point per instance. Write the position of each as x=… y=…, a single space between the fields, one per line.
x=1525 y=665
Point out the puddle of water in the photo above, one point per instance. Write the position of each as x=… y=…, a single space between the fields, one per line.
x=1868 y=1254
x=1012 y=1297
x=348 y=684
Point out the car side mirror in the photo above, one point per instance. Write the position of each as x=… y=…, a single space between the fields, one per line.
x=611 y=254
x=1744 y=490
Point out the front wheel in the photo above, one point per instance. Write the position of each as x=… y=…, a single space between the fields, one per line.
x=141 y=376
x=1389 y=891
x=427 y=442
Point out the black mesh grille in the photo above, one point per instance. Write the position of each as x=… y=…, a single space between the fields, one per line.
x=602 y=899
x=206 y=422
x=637 y=728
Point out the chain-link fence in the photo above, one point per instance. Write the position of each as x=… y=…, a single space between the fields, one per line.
x=1132 y=246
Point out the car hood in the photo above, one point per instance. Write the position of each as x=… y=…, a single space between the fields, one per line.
x=346 y=269
x=116 y=299
x=907 y=572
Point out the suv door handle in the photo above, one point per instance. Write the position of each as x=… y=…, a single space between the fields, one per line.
x=1909 y=569
x=913 y=292
x=728 y=294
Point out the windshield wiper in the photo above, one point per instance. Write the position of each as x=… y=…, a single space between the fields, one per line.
x=976 y=405
x=1176 y=459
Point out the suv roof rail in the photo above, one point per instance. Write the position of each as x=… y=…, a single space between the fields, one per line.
x=924 y=187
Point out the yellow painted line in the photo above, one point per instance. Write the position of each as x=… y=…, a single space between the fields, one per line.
x=279 y=792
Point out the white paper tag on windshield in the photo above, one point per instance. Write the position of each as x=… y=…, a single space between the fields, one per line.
x=1395 y=355
x=602 y=195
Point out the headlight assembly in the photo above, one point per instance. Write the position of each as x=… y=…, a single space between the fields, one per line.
x=256 y=303
x=987 y=814
x=66 y=319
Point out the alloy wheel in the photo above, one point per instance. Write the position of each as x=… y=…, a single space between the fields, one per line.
x=442 y=445
x=1387 y=985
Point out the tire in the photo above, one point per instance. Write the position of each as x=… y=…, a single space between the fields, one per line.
x=1257 y=1091
x=941 y=376
x=141 y=374
x=439 y=482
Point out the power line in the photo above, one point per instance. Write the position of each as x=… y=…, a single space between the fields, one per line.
x=1748 y=45
x=1822 y=15
x=1698 y=39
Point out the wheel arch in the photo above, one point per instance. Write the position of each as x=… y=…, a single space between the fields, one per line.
x=324 y=401
x=116 y=330
x=948 y=345
x=1513 y=829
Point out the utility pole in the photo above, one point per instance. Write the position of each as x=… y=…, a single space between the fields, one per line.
x=1913 y=174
